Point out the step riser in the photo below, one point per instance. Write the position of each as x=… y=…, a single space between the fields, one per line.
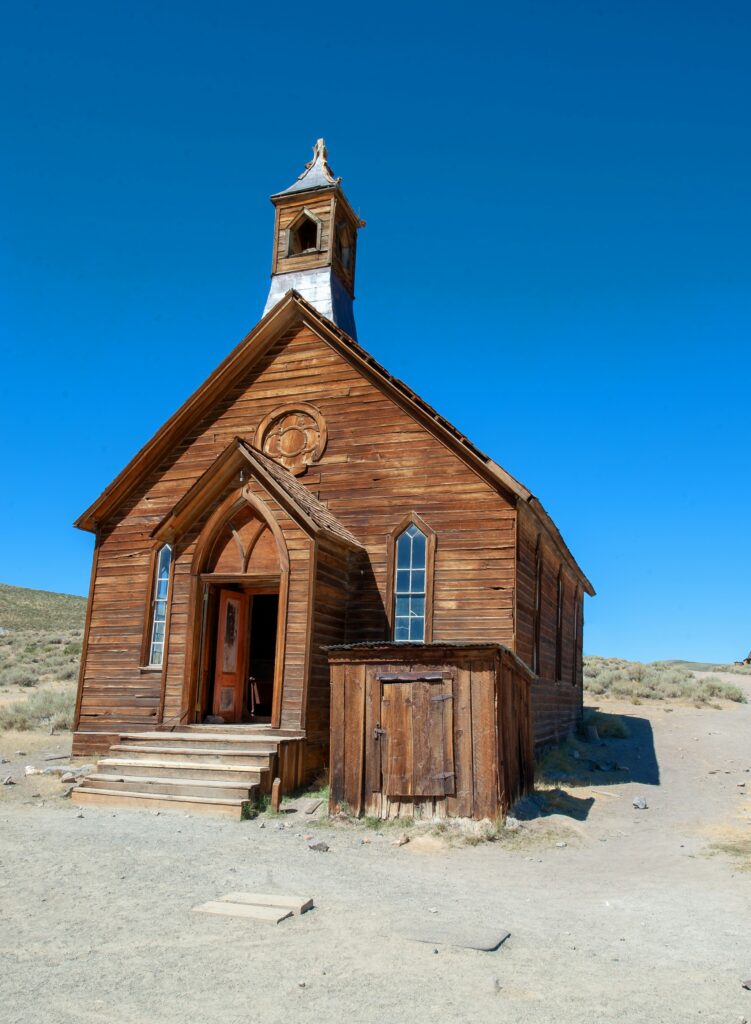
x=132 y=785
x=241 y=759
x=82 y=797
x=218 y=774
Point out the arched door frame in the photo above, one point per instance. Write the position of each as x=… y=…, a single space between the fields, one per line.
x=204 y=545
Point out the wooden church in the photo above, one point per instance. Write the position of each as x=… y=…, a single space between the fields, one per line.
x=307 y=568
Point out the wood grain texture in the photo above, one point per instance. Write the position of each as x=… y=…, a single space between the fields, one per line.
x=457 y=745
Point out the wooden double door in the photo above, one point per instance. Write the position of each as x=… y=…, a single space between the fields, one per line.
x=245 y=653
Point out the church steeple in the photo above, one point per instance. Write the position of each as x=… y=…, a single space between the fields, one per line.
x=315 y=238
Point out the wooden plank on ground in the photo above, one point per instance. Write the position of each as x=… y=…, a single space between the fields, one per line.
x=267 y=915
x=297 y=904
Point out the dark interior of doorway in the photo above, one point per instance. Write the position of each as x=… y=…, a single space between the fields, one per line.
x=264 y=613
x=261 y=660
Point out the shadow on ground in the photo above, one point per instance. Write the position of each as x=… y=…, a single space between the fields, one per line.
x=617 y=749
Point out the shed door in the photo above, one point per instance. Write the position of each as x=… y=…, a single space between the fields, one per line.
x=417 y=748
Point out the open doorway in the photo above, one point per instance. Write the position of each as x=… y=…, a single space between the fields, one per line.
x=240 y=645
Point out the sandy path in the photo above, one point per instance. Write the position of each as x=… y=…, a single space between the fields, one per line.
x=635 y=919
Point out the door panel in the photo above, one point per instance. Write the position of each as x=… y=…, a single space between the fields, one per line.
x=417 y=744
x=231 y=655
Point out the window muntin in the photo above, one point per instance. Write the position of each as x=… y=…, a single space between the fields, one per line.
x=410 y=585
x=159 y=606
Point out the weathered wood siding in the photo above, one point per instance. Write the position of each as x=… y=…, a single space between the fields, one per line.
x=487 y=750
x=557 y=696
x=379 y=464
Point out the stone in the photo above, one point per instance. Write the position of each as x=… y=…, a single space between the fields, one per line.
x=640 y=803
x=401 y=840
x=746 y=984
x=511 y=823
x=319 y=847
x=31 y=770
x=68 y=777
x=9 y=781
x=576 y=755
x=561 y=845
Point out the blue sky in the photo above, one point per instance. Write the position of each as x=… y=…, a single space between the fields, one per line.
x=556 y=256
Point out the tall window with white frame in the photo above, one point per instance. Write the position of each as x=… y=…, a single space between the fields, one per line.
x=159 y=606
x=410 y=585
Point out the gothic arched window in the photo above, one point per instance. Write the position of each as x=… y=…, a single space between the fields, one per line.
x=159 y=597
x=304 y=234
x=412 y=556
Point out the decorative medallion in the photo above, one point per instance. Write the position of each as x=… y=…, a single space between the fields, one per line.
x=294 y=435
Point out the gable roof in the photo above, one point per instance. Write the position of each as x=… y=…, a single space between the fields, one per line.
x=306 y=510
x=288 y=311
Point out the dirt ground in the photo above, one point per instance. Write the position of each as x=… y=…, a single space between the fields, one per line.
x=639 y=917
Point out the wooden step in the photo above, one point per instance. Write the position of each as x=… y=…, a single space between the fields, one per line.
x=229 y=807
x=219 y=741
x=248 y=758
x=252 y=730
x=238 y=774
x=170 y=787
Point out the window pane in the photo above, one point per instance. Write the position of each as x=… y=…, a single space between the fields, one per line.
x=165 y=556
x=161 y=589
x=411 y=530
x=402 y=581
x=418 y=582
x=402 y=606
x=417 y=606
x=403 y=550
x=418 y=552
x=416 y=629
x=156 y=654
x=402 y=629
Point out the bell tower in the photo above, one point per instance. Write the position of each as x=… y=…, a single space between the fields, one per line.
x=315 y=241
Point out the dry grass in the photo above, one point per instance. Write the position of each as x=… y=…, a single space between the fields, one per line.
x=38 y=672
x=635 y=681
x=24 y=609
x=44 y=709
x=739 y=848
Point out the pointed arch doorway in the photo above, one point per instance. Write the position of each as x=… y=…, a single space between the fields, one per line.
x=241 y=568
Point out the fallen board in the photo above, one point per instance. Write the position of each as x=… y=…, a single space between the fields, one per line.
x=297 y=904
x=268 y=915
x=485 y=939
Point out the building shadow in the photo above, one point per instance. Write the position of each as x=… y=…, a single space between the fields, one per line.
x=622 y=750
x=632 y=758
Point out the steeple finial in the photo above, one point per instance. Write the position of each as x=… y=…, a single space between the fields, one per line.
x=317 y=173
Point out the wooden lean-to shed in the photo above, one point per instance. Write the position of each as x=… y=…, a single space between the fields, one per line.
x=429 y=730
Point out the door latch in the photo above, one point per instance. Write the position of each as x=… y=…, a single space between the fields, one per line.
x=378 y=732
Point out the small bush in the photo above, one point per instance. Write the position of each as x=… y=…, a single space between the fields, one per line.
x=44 y=709
x=17 y=675
x=635 y=681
